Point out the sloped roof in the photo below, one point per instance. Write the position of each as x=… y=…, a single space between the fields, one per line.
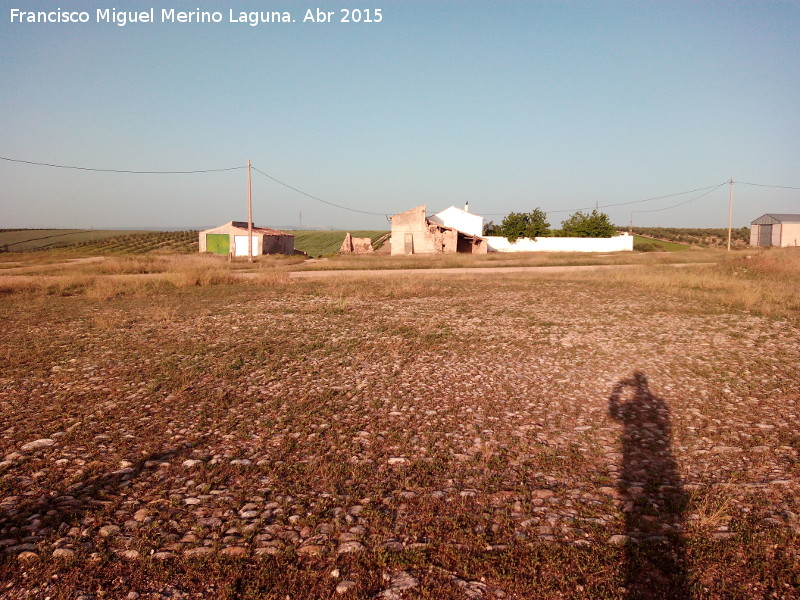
x=452 y=208
x=459 y=219
x=242 y=226
x=456 y=229
x=774 y=218
x=265 y=230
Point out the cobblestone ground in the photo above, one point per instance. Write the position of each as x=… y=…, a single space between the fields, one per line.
x=322 y=423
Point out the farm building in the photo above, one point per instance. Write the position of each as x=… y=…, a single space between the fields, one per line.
x=414 y=233
x=775 y=230
x=231 y=239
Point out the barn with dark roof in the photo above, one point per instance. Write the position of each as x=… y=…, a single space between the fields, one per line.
x=779 y=230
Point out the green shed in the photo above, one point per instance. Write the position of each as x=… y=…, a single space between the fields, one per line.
x=231 y=239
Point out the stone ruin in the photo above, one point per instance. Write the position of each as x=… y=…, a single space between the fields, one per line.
x=354 y=245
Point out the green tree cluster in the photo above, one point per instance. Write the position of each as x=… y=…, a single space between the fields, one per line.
x=534 y=224
x=593 y=225
x=492 y=228
x=529 y=225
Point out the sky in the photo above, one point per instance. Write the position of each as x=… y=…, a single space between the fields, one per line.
x=510 y=106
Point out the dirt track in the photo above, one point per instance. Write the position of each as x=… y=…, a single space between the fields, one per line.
x=471 y=271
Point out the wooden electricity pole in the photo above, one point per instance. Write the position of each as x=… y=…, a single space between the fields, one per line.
x=249 y=215
x=730 y=215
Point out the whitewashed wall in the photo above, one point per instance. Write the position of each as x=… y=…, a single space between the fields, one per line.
x=790 y=234
x=561 y=244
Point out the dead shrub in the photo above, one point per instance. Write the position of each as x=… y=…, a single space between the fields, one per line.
x=200 y=277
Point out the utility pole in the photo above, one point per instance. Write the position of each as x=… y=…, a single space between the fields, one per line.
x=249 y=215
x=730 y=215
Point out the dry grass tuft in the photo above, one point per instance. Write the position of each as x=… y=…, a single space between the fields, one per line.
x=764 y=281
x=130 y=275
x=711 y=511
x=394 y=286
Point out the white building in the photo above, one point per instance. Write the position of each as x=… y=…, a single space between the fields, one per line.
x=775 y=230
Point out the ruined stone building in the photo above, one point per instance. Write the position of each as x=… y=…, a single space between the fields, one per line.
x=354 y=245
x=414 y=233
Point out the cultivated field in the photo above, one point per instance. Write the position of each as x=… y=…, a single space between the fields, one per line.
x=20 y=240
x=705 y=237
x=649 y=244
x=319 y=243
x=170 y=429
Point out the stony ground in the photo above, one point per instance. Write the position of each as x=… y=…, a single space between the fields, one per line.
x=510 y=438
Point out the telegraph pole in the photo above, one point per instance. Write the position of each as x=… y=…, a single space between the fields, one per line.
x=730 y=215
x=250 y=215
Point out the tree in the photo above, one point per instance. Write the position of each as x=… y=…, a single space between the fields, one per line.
x=491 y=228
x=530 y=225
x=594 y=225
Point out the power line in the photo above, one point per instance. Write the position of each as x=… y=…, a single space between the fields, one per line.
x=785 y=187
x=363 y=212
x=710 y=187
x=44 y=164
x=682 y=203
x=130 y=171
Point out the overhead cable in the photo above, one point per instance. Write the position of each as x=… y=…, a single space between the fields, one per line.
x=785 y=187
x=710 y=187
x=43 y=164
x=363 y=212
x=681 y=203
x=625 y=203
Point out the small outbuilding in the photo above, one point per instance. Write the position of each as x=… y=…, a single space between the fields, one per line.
x=231 y=240
x=779 y=230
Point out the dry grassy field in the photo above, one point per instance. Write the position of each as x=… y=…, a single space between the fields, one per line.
x=169 y=429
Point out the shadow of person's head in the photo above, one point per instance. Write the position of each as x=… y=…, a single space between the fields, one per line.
x=631 y=400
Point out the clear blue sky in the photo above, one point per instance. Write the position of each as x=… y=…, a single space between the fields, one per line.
x=507 y=105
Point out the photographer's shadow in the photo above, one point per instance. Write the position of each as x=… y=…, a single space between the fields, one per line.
x=654 y=502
